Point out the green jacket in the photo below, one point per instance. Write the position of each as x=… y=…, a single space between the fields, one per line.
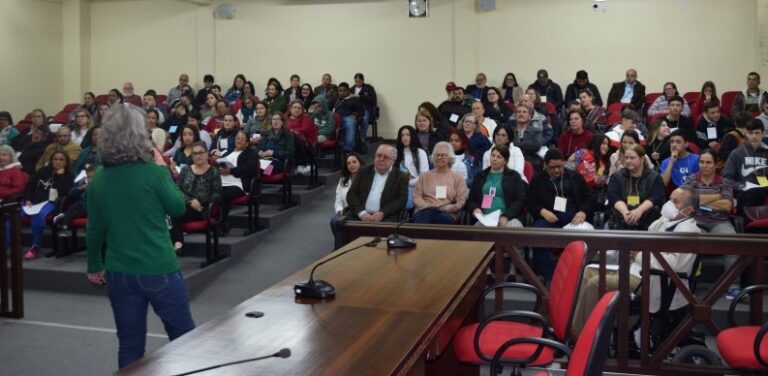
x=323 y=118
x=281 y=144
x=127 y=208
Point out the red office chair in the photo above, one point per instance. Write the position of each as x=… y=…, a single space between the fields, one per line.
x=653 y=118
x=283 y=178
x=528 y=171
x=210 y=226
x=102 y=98
x=474 y=343
x=251 y=200
x=161 y=99
x=70 y=107
x=744 y=346
x=650 y=98
x=591 y=349
x=61 y=117
x=726 y=102
x=614 y=108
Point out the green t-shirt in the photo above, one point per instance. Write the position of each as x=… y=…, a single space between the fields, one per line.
x=127 y=208
x=494 y=180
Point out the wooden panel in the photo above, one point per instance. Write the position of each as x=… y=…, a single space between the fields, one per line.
x=391 y=310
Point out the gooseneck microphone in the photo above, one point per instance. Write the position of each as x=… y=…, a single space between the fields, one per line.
x=283 y=353
x=401 y=241
x=322 y=289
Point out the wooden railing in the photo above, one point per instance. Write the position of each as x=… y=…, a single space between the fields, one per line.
x=751 y=249
x=11 y=280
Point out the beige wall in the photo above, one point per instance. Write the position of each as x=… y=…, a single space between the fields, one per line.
x=31 y=57
x=407 y=60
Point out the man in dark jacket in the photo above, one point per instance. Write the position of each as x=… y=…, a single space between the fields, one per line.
x=556 y=198
x=580 y=83
x=712 y=127
x=351 y=110
x=378 y=192
x=548 y=89
x=367 y=95
x=629 y=91
x=456 y=106
x=747 y=167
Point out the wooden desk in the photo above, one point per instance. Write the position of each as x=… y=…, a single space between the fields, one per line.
x=395 y=313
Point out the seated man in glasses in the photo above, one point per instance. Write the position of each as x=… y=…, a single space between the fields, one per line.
x=379 y=192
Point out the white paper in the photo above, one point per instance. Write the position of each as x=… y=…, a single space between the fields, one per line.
x=80 y=176
x=560 y=203
x=543 y=99
x=711 y=133
x=34 y=209
x=225 y=161
x=607 y=266
x=256 y=136
x=490 y=219
x=54 y=127
x=581 y=226
x=454 y=118
x=752 y=185
x=53 y=194
x=178 y=169
x=542 y=151
x=263 y=163
x=672 y=130
x=442 y=191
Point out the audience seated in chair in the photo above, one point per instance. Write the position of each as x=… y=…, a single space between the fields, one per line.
x=353 y=162
x=479 y=89
x=495 y=108
x=274 y=100
x=630 y=91
x=183 y=155
x=224 y=142
x=576 y=136
x=657 y=146
x=202 y=94
x=7 y=131
x=277 y=144
x=735 y=137
x=64 y=144
x=129 y=96
x=629 y=139
x=237 y=169
x=158 y=135
x=351 y=111
x=378 y=192
x=464 y=163
x=200 y=183
x=81 y=126
x=175 y=92
x=45 y=186
x=680 y=163
x=13 y=180
x=581 y=83
x=177 y=118
x=472 y=138
x=425 y=131
x=593 y=161
x=498 y=188
x=327 y=89
x=322 y=119
x=235 y=92
x=411 y=159
x=549 y=91
x=596 y=118
x=485 y=125
x=746 y=167
x=677 y=216
x=368 y=98
x=75 y=204
x=456 y=106
x=525 y=136
x=676 y=120
x=150 y=103
x=752 y=98
x=712 y=126
x=661 y=104
x=31 y=147
x=635 y=193
x=557 y=197
x=629 y=121
x=440 y=194
x=501 y=136
x=89 y=155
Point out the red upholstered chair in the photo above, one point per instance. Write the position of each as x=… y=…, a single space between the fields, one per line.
x=614 y=118
x=283 y=178
x=210 y=226
x=745 y=346
x=726 y=102
x=162 y=99
x=591 y=349
x=477 y=342
x=70 y=107
x=528 y=171
x=653 y=118
x=23 y=126
x=61 y=117
x=691 y=96
x=614 y=107
x=251 y=200
x=102 y=98
x=650 y=98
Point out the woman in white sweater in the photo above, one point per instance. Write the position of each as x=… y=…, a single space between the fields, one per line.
x=352 y=164
x=411 y=158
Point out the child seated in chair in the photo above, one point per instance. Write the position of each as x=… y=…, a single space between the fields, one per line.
x=74 y=204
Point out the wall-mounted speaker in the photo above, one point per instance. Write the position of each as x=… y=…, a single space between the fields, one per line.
x=225 y=11
x=486 y=5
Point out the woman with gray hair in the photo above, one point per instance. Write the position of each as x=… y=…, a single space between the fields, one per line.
x=128 y=201
x=13 y=179
x=440 y=194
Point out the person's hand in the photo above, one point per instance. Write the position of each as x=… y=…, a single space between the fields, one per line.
x=674 y=154
x=477 y=211
x=633 y=217
x=215 y=153
x=195 y=205
x=269 y=153
x=96 y=278
x=261 y=154
x=548 y=216
x=224 y=170
x=378 y=216
x=367 y=217
x=655 y=156
x=579 y=218
x=503 y=221
x=158 y=158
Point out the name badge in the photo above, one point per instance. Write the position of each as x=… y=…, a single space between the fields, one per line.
x=172 y=129
x=442 y=191
x=488 y=198
x=543 y=98
x=53 y=194
x=763 y=181
x=711 y=133
x=633 y=200
x=454 y=118
x=223 y=143
x=560 y=203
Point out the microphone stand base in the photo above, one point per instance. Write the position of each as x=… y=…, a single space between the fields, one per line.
x=314 y=289
x=400 y=241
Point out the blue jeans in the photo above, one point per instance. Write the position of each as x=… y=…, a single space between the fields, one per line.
x=434 y=216
x=37 y=223
x=130 y=296
x=542 y=257
x=364 y=126
x=349 y=126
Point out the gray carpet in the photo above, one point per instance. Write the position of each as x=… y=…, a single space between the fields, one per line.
x=69 y=334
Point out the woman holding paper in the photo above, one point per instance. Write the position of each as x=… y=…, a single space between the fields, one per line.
x=276 y=145
x=42 y=191
x=497 y=196
x=237 y=169
x=440 y=194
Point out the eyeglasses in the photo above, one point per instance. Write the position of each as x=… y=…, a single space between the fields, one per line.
x=383 y=156
x=441 y=156
x=199 y=153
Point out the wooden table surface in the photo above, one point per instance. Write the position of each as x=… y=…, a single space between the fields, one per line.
x=392 y=311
